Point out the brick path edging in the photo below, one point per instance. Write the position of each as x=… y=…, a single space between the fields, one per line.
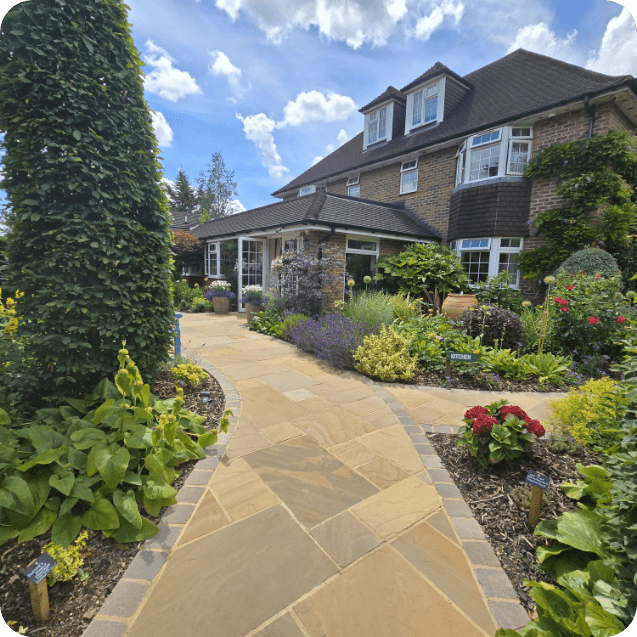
x=131 y=590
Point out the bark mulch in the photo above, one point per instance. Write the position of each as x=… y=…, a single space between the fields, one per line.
x=75 y=602
x=499 y=499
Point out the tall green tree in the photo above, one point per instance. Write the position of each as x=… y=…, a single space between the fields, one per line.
x=183 y=200
x=89 y=242
x=215 y=188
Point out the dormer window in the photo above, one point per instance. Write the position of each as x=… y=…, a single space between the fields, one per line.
x=496 y=153
x=425 y=106
x=308 y=190
x=409 y=177
x=354 y=187
x=377 y=125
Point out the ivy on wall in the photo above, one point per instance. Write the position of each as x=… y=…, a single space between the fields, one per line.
x=597 y=179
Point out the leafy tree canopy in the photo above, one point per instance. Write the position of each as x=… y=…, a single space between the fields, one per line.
x=216 y=186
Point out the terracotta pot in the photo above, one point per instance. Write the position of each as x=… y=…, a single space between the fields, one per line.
x=251 y=310
x=221 y=304
x=455 y=304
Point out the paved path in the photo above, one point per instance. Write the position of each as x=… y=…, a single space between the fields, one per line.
x=327 y=514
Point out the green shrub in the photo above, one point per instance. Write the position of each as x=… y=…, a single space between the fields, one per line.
x=185 y=296
x=371 y=308
x=589 y=413
x=385 y=356
x=90 y=240
x=504 y=362
x=495 y=325
x=89 y=462
x=547 y=367
x=404 y=306
x=590 y=261
x=289 y=322
x=202 y=305
x=496 y=291
x=532 y=320
x=267 y=321
x=190 y=373
x=69 y=560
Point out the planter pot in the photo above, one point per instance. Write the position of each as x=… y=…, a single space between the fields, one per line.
x=221 y=304
x=455 y=304
x=251 y=310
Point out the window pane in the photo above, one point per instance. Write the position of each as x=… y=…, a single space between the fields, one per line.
x=475 y=243
x=289 y=244
x=520 y=132
x=381 y=123
x=476 y=265
x=361 y=244
x=417 y=118
x=509 y=262
x=372 y=132
x=485 y=139
x=354 y=191
x=519 y=156
x=409 y=182
x=432 y=90
x=407 y=165
x=509 y=243
x=431 y=110
x=484 y=163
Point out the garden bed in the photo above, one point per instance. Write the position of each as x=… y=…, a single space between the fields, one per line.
x=499 y=500
x=75 y=602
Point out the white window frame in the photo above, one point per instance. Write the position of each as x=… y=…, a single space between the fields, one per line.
x=495 y=249
x=355 y=237
x=408 y=168
x=307 y=190
x=207 y=260
x=417 y=101
x=354 y=186
x=504 y=142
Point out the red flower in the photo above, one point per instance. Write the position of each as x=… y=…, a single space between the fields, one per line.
x=483 y=424
x=621 y=319
x=535 y=427
x=518 y=412
x=474 y=412
x=592 y=320
x=563 y=301
x=570 y=287
x=598 y=276
x=564 y=309
x=557 y=299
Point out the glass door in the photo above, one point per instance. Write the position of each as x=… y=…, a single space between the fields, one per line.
x=251 y=258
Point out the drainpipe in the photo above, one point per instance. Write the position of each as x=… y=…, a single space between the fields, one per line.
x=590 y=111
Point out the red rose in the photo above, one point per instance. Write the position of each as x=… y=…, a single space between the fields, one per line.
x=598 y=276
x=570 y=287
x=483 y=424
x=564 y=309
x=474 y=412
x=557 y=299
x=535 y=427
x=514 y=410
x=592 y=320
x=563 y=301
x=621 y=319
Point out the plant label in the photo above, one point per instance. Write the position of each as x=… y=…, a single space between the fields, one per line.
x=538 y=480
x=462 y=356
x=39 y=568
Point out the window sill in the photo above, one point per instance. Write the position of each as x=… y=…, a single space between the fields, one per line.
x=490 y=180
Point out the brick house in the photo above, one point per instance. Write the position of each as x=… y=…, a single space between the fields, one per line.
x=442 y=159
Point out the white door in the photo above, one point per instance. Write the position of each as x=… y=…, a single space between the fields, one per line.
x=251 y=259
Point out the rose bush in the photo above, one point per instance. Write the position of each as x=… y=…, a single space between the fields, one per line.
x=498 y=432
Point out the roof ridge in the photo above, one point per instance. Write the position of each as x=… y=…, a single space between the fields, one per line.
x=415 y=217
x=395 y=205
x=316 y=206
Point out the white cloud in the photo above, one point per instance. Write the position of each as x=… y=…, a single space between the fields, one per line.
x=316 y=160
x=223 y=66
x=342 y=137
x=163 y=132
x=540 y=39
x=354 y=22
x=258 y=129
x=617 y=53
x=427 y=24
x=165 y=80
x=313 y=106
x=234 y=206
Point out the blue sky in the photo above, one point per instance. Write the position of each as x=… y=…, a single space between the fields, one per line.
x=273 y=85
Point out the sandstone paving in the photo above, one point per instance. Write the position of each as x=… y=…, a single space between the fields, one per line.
x=332 y=426
x=382 y=472
x=283 y=626
x=208 y=517
x=381 y=418
x=245 y=440
x=264 y=406
x=353 y=453
x=393 y=443
x=284 y=431
x=230 y=573
x=287 y=380
x=313 y=483
x=364 y=405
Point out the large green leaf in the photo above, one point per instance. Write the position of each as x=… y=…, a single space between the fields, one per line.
x=65 y=529
x=40 y=524
x=44 y=437
x=67 y=505
x=139 y=437
x=129 y=533
x=602 y=623
x=64 y=482
x=126 y=505
x=46 y=457
x=15 y=495
x=581 y=530
x=77 y=459
x=112 y=464
x=86 y=438
x=103 y=412
x=4 y=418
x=101 y=515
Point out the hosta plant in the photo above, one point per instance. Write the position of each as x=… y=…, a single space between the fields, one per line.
x=91 y=462
x=547 y=367
x=498 y=432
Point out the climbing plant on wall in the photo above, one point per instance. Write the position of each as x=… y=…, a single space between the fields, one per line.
x=596 y=179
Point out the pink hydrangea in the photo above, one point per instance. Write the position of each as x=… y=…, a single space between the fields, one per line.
x=516 y=411
x=474 y=412
x=535 y=427
x=483 y=424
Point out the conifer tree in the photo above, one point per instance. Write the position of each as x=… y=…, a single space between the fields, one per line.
x=89 y=242
x=183 y=201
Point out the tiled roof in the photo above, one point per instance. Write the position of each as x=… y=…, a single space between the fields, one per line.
x=514 y=86
x=322 y=208
x=390 y=91
x=436 y=70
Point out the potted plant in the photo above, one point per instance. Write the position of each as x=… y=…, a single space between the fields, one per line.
x=252 y=299
x=220 y=294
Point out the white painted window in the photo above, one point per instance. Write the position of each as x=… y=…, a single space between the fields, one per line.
x=362 y=245
x=377 y=125
x=487 y=257
x=307 y=190
x=425 y=106
x=409 y=176
x=354 y=187
x=212 y=260
x=460 y=163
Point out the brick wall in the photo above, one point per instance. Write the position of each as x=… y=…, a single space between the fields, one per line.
x=390 y=247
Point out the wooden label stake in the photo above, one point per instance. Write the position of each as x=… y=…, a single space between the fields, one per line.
x=538 y=483
x=36 y=572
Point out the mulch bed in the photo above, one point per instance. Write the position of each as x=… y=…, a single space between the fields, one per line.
x=499 y=500
x=74 y=603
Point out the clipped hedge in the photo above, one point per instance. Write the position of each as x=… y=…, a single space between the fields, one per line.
x=590 y=261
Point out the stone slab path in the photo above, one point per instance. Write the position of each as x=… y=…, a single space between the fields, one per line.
x=324 y=512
